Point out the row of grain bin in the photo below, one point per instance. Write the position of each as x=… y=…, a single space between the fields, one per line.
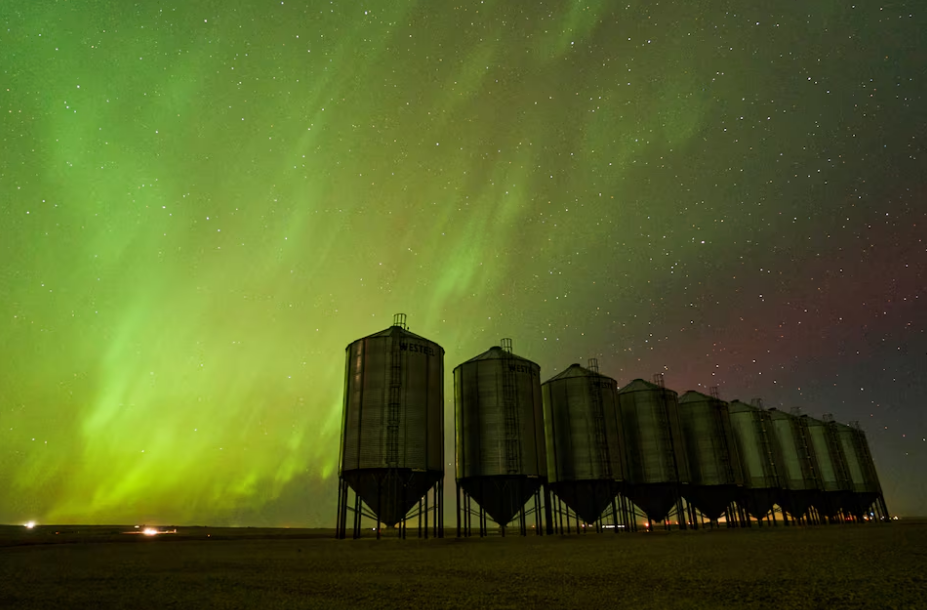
x=814 y=469
x=574 y=451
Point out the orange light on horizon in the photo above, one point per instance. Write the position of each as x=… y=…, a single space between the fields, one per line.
x=150 y=531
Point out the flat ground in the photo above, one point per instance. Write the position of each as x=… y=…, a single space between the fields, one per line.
x=849 y=566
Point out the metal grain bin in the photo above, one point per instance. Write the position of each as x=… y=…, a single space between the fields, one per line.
x=758 y=451
x=392 y=444
x=798 y=467
x=832 y=469
x=657 y=466
x=585 y=460
x=864 y=480
x=501 y=460
x=714 y=463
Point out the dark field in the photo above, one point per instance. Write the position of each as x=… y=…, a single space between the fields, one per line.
x=863 y=566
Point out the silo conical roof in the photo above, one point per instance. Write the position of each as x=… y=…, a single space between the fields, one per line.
x=496 y=353
x=639 y=384
x=576 y=370
x=398 y=330
x=695 y=396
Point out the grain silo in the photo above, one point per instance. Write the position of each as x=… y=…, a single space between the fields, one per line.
x=758 y=451
x=798 y=469
x=867 y=500
x=392 y=443
x=714 y=464
x=501 y=461
x=832 y=467
x=585 y=456
x=657 y=466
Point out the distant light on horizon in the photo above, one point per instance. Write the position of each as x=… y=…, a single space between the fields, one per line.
x=29 y=525
x=150 y=531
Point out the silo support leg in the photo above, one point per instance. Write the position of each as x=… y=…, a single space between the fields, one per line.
x=884 y=508
x=548 y=510
x=627 y=512
x=342 y=510
x=458 y=510
x=440 y=504
x=338 y=513
x=467 y=515
x=344 y=530
x=538 y=530
x=614 y=516
x=437 y=502
x=379 y=503
x=344 y=516
x=620 y=516
x=434 y=517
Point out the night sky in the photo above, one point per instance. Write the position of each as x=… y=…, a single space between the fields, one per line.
x=202 y=203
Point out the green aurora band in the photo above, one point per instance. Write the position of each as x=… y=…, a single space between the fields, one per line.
x=202 y=204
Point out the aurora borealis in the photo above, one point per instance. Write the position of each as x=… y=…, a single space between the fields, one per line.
x=202 y=203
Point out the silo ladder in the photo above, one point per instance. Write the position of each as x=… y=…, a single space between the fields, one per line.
x=512 y=444
x=393 y=407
